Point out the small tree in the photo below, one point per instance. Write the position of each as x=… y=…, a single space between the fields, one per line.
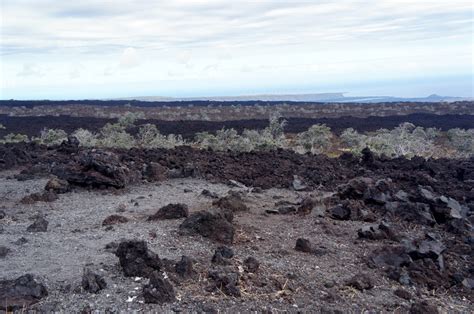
x=276 y=125
x=316 y=139
x=2 y=127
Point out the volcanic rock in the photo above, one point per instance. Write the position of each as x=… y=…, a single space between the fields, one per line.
x=46 y=196
x=170 y=211
x=231 y=202
x=155 y=172
x=20 y=293
x=377 y=232
x=356 y=188
x=227 y=282
x=4 y=251
x=136 y=260
x=92 y=282
x=413 y=212
x=251 y=264
x=113 y=220
x=209 y=194
x=159 y=290
x=215 y=225
x=305 y=246
x=340 y=212
x=298 y=184
x=395 y=256
x=402 y=293
x=39 y=225
x=423 y=307
x=222 y=255
x=468 y=283
x=58 y=186
x=184 y=267
x=306 y=206
x=360 y=282
x=97 y=168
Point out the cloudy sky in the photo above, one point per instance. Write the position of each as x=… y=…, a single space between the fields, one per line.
x=103 y=49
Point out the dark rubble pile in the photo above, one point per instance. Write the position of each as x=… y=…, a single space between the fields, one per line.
x=117 y=168
x=442 y=258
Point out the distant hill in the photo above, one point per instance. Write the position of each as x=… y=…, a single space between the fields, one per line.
x=322 y=97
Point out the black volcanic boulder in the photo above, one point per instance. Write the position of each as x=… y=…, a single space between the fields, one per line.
x=20 y=293
x=305 y=246
x=170 y=211
x=155 y=172
x=361 y=282
x=97 y=168
x=356 y=188
x=251 y=264
x=377 y=232
x=92 y=282
x=114 y=220
x=215 y=225
x=57 y=185
x=231 y=202
x=222 y=255
x=159 y=290
x=46 y=196
x=39 y=225
x=4 y=251
x=184 y=268
x=225 y=281
x=136 y=259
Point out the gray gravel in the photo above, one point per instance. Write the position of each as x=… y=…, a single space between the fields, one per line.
x=76 y=238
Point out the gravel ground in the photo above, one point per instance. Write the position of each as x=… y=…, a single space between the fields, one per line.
x=286 y=281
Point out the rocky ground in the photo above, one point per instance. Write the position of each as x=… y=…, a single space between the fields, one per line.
x=85 y=230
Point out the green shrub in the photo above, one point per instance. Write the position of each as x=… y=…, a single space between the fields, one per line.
x=14 y=138
x=462 y=141
x=51 y=137
x=85 y=137
x=316 y=139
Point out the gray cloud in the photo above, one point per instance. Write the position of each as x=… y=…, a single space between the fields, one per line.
x=42 y=26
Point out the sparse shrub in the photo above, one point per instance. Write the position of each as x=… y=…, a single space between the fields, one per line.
x=2 y=127
x=462 y=141
x=150 y=137
x=405 y=140
x=85 y=137
x=270 y=138
x=114 y=135
x=129 y=118
x=353 y=140
x=51 y=137
x=276 y=125
x=14 y=138
x=316 y=139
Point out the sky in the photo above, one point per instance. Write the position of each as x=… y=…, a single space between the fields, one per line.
x=56 y=49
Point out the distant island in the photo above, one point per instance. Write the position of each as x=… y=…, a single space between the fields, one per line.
x=319 y=97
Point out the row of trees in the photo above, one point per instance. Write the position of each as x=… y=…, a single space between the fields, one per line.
x=405 y=140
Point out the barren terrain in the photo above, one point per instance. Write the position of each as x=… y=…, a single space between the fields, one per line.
x=335 y=207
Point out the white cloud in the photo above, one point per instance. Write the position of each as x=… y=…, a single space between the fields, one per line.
x=262 y=40
x=31 y=69
x=129 y=58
